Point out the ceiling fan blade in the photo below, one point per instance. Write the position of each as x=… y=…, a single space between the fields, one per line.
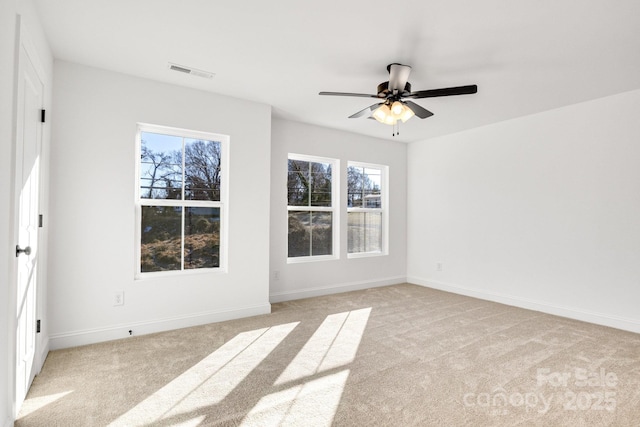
x=398 y=76
x=418 y=110
x=365 y=111
x=458 y=90
x=361 y=95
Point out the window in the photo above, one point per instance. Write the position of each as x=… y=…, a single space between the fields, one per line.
x=366 y=209
x=311 y=186
x=181 y=199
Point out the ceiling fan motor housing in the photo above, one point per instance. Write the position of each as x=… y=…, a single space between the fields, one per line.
x=383 y=90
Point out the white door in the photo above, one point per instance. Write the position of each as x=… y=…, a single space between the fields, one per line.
x=28 y=144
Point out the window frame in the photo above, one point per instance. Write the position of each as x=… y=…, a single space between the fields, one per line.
x=383 y=210
x=222 y=204
x=334 y=209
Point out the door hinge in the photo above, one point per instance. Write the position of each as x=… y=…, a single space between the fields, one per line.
x=42 y=114
x=40 y=220
x=38 y=326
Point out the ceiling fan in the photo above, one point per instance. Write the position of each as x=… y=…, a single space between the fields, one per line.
x=393 y=95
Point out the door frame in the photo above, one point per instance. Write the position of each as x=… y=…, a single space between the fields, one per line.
x=24 y=41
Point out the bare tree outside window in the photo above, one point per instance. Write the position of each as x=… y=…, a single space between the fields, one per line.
x=202 y=170
x=363 y=187
x=160 y=167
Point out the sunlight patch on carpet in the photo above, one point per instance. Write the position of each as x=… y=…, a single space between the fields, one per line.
x=334 y=344
x=193 y=422
x=210 y=380
x=313 y=403
x=33 y=404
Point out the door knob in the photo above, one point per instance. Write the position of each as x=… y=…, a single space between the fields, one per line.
x=26 y=251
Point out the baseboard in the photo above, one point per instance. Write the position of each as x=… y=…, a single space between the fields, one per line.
x=91 y=336
x=626 y=324
x=334 y=289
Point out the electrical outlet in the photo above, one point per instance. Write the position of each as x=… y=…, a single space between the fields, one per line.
x=438 y=266
x=276 y=275
x=118 y=298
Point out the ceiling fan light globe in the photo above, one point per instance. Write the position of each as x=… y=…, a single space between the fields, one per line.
x=397 y=108
x=406 y=114
x=390 y=120
x=382 y=113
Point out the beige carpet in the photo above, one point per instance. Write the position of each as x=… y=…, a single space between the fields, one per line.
x=395 y=356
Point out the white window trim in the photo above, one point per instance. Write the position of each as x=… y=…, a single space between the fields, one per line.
x=334 y=209
x=384 y=203
x=223 y=204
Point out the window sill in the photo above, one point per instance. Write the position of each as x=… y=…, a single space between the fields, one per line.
x=178 y=273
x=303 y=259
x=366 y=255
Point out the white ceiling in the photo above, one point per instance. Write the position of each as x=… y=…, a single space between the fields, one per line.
x=525 y=56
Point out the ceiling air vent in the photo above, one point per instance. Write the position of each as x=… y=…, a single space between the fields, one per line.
x=192 y=71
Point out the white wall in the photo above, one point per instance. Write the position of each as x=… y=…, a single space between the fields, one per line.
x=92 y=214
x=9 y=30
x=541 y=212
x=302 y=280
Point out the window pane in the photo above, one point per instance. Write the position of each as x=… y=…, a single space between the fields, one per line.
x=298 y=183
x=201 y=237
x=161 y=238
x=299 y=234
x=297 y=189
x=160 y=166
x=364 y=232
x=371 y=187
x=201 y=170
x=320 y=184
x=363 y=187
x=321 y=233
x=309 y=183
x=355 y=178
